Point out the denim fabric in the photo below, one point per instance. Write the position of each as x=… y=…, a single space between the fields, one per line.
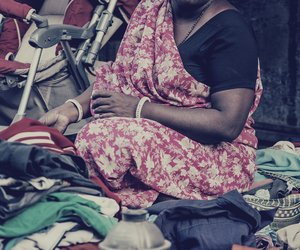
x=208 y=225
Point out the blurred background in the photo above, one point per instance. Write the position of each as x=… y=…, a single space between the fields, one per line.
x=276 y=24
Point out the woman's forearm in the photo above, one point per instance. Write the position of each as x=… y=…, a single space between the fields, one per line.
x=69 y=109
x=223 y=122
x=202 y=125
x=61 y=116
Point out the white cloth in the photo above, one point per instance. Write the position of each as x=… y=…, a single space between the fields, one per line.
x=291 y=236
x=286 y=146
x=297 y=150
x=59 y=235
x=25 y=245
x=263 y=194
x=108 y=206
x=78 y=237
x=40 y=183
x=43 y=183
x=47 y=239
x=7 y=182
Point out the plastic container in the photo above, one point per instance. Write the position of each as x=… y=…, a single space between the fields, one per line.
x=134 y=232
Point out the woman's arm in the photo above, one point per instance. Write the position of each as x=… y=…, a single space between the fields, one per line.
x=67 y=113
x=222 y=122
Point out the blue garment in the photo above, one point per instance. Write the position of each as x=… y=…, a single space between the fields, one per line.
x=29 y=161
x=208 y=225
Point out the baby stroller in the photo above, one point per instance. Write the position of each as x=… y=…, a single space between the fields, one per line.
x=52 y=79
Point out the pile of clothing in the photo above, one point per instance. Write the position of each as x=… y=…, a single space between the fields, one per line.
x=214 y=224
x=46 y=198
x=265 y=217
x=48 y=201
x=279 y=168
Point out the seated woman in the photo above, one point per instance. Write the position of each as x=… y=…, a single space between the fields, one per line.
x=172 y=114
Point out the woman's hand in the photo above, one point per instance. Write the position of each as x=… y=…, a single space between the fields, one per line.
x=111 y=104
x=60 y=117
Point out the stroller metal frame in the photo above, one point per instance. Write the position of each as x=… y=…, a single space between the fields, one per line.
x=49 y=35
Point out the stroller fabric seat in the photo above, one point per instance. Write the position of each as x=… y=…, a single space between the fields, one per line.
x=12 y=29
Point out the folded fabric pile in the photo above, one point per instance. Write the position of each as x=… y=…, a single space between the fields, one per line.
x=282 y=159
x=266 y=217
x=46 y=198
x=47 y=201
x=213 y=224
x=281 y=163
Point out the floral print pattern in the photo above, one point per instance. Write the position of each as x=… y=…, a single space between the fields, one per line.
x=140 y=158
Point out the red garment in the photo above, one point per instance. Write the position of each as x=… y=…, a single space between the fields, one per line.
x=296 y=144
x=140 y=158
x=10 y=37
x=35 y=4
x=86 y=246
x=32 y=132
x=14 y=9
x=12 y=33
x=78 y=13
x=11 y=66
x=238 y=247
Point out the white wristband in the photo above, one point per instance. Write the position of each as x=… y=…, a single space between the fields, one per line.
x=30 y=12
x=140 y=105
x=78 y=107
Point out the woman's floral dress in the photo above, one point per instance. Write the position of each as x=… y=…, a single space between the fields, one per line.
x=140 y=158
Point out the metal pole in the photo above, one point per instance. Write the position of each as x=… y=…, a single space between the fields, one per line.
x=27 y=89
x=105 y=22
x=97 y=13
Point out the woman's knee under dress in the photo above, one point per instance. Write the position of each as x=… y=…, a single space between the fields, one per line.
x=140 y=158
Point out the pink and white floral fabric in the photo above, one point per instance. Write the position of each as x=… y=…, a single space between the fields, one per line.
x=140 y=158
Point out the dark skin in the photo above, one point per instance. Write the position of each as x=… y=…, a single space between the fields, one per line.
x=222 y=122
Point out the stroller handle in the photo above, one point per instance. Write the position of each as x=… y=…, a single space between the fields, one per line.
x=40 y=21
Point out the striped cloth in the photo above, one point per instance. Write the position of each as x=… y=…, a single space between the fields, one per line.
x=32 y=132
